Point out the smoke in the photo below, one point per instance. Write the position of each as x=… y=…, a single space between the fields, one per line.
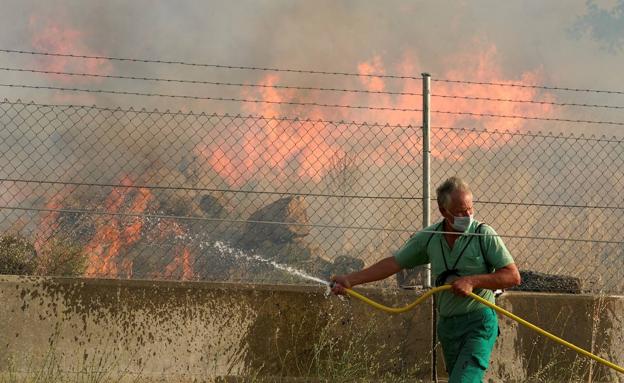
x=239 y=154
x=605 y=26
x=443 y=38
x=49 y=36
x=450 y=40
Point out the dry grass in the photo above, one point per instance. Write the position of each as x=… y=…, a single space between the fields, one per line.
x=580 y=369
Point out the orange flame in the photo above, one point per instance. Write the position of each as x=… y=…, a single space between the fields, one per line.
x=112 y=235
x=180 y=265
x=239 y=154
x=103 y=250
x=50 y=36
x=132 y=232
x=49 y=223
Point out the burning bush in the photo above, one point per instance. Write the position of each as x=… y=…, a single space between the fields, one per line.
x=17 y=255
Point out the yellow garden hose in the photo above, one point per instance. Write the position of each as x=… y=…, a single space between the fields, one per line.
x=398 y=310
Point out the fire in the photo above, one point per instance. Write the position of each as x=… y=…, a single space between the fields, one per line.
x=132 y=232
x=307 y=149
x=103 y=250
x=50 y=36
x=239 y=154
x=113 y=233
x=180 y=267
x=371 y=67
x=49 y=223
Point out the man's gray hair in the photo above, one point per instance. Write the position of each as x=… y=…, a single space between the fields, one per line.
x=448 y=187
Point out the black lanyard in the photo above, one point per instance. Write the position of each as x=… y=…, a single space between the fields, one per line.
x=458 y=258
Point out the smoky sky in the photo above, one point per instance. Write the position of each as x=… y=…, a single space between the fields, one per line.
x=565 y=43
x=605 y=26
x=569 y=43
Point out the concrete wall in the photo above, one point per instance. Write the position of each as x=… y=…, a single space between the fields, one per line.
x=185 y=331
x=171 y=331
x=594 y=323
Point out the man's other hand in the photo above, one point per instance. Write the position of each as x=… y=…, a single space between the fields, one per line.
x=462 y=286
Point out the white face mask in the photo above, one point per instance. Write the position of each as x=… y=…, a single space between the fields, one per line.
x=462 y=223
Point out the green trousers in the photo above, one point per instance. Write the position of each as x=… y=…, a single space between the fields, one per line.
x=467 y=342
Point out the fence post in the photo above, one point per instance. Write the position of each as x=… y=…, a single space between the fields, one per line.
x=426 y=117
x=426 y=95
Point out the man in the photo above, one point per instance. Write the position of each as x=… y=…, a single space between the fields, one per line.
x=469 y=256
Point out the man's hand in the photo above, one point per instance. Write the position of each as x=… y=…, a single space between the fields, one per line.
x=380 y=270
x=341 y=282
x=462 y=286
x=503 y=278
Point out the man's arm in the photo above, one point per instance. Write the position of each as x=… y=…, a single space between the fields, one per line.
x=503 y=278
x=380 y=270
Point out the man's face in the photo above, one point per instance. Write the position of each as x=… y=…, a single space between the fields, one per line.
x=459 y=206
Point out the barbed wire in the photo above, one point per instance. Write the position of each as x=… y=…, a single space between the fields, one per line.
x=218 y=66
x=322 y=89
x=101 y=91
x=516 y=85
x=369 y=228
x=215 y=190
x=305 y=71
x=145 y=94
x=520 y=117
x=563 y=104
x=217 y=83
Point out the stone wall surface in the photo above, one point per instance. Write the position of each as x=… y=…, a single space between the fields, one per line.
x=196 y=331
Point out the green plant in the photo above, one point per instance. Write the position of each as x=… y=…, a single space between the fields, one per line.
x=17 y=255
x=59 y=257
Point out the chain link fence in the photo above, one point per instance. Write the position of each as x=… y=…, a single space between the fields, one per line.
x=555 y=199
x=122 y=193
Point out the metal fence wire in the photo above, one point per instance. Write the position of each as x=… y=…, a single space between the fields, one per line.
x=123 y=193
